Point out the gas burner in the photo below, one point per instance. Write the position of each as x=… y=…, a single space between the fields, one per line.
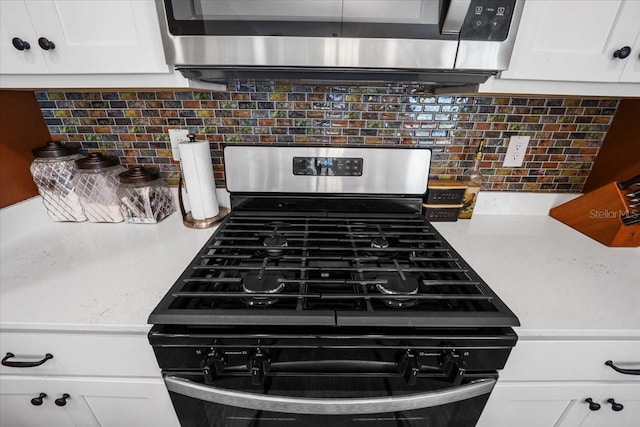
x=267 y=283
x=273 y=246
x=274 y=241
x=379 y=243
x=398 y=286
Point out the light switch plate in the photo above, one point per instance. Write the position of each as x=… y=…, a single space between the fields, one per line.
x=176 y=136
x=516 y=151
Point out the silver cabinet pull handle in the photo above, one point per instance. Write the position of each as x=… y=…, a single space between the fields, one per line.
x=352 y=406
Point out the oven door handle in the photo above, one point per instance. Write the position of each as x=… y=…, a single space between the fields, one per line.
x=332 y=406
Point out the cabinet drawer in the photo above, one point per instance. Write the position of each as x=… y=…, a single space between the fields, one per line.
x=571 y=360
x=80 y=353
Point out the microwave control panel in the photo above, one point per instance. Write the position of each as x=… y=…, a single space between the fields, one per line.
x=488 y=20
x=327 y=166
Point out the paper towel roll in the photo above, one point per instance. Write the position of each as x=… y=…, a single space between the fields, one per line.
x=197 y=171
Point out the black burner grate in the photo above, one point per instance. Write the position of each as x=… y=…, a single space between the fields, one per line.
x=345 y=270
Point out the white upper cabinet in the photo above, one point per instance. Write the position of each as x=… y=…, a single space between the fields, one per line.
x=631 y=72
x=569 y=40
x=19 y=51
x=80 y=37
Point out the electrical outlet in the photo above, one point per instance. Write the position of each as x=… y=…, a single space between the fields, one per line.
x=515 y=151
x=176 y=136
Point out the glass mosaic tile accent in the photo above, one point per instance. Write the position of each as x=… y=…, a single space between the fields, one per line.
x=566 y=133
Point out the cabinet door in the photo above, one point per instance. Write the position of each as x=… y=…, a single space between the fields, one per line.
x=631 y=73
x=98 y=36
x=16 y=409
x=626 y=394
x=124 y=402
x=573 y=41
x=92 y=402
x=539 y=404
x=15 y=22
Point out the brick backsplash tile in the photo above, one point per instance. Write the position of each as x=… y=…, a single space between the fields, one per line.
x=566 y=133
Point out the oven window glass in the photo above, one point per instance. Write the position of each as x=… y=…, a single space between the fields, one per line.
x=195 y=412
x=313 y=18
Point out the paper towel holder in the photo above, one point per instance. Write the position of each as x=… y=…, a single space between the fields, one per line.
x=187 y=218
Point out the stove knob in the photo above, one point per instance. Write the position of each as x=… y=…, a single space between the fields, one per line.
x=409 y=367
x=259 y=365
x=448 y=362
x=213 y=365
x=462 y=369
x=453 y=366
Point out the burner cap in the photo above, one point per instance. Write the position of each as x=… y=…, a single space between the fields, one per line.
x=401 y=287
x=379 y=243
x=401 y=302
x=267 y=284
x=397 y=286
x=275 y=241
x=379 y=247
x=274 y=244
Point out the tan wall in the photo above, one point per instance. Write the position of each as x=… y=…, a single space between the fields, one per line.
x=619 y=157
x=21 y=129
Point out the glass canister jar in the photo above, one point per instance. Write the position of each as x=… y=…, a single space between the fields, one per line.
x=144 y=196
x=97 y=185
x=53 y=170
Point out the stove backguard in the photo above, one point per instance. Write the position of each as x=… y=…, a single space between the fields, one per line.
x=326 y=170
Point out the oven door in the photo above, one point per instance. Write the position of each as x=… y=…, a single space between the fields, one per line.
x=329 y=401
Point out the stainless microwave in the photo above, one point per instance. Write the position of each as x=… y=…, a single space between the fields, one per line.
x=448 y=41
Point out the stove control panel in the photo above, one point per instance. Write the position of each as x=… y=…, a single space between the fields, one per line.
x=327 y=166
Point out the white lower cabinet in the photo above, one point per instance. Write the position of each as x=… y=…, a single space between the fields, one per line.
x=17 y=410
x=111 y=379
x=628 y=395
x=549 y=404
x=91 y=402
x=547 y=383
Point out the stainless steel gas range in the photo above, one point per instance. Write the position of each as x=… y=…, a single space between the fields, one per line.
x=326 y=298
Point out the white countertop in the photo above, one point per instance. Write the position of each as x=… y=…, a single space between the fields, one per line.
x=109 y=277
x=560 y=283
x=57 y=275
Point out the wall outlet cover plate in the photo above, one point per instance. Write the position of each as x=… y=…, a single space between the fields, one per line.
x=176 y=136
x=516 y=151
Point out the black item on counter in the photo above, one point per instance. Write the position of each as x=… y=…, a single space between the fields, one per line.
x=97 y=161
x=448 y=192
x=53 y=149
x=139 y=174
x=629 y=182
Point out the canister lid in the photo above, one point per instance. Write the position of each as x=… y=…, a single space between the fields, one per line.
x=54 y=149
x=139 y=174
x=97 y=161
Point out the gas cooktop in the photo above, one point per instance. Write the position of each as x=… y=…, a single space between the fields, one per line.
x=391 y=269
